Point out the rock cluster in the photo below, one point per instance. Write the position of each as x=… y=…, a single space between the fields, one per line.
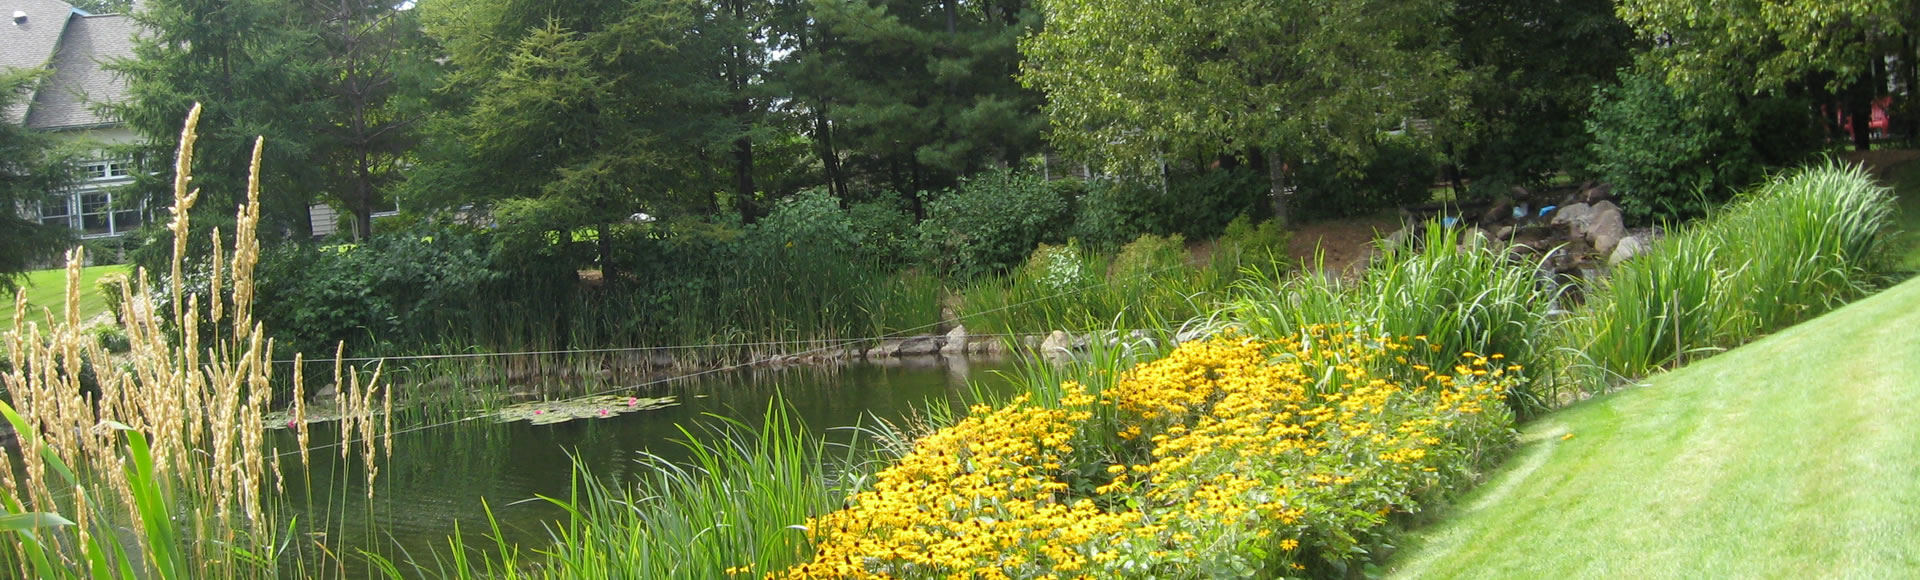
x=1574 y=232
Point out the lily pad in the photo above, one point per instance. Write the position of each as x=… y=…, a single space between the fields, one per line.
x=315 y=413
x=561 y=411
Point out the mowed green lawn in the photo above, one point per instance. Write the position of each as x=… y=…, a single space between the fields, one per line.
x=48 y=289
x=1796 y=456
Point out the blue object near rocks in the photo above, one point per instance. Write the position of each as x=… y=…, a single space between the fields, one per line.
x=1549 y=209
x=1449 y=221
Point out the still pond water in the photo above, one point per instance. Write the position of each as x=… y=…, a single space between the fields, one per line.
x=438 y=478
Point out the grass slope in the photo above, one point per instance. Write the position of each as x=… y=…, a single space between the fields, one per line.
x=1794 y=456
x=48 y=289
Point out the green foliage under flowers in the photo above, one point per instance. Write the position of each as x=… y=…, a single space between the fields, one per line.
x=1796 y=247
x=1671 y=156
x=989 y=223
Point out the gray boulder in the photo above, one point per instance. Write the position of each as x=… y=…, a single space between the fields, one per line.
x=1629 y=247
x=919 y=346
x=1605 y=228
x=1057 y=344
x=956 y=342
x=1573 y=215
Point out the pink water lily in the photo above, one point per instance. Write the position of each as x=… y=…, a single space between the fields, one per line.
x=603 y=412
x=631 y=401
x=538 y=411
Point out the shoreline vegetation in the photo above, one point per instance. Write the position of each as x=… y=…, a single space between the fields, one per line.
x=1076 y=476
x=1296 y=428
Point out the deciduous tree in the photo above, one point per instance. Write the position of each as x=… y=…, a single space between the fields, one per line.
x=1281 y=81
x=1758 y=46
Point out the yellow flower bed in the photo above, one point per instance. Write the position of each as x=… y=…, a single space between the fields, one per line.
x=1231 y=455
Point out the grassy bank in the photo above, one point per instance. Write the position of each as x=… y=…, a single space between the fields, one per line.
x=48 y=289
x=1791 y=456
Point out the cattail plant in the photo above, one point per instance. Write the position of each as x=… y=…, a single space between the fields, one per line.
x=153 y=464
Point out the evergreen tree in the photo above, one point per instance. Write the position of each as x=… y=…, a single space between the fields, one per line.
x=32 y=168
x=252 y=65
x=376 y=71
x=1531 y=71
x=571 y=119
x=916 y=94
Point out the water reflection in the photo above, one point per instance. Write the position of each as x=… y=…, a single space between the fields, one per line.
x=438 y=478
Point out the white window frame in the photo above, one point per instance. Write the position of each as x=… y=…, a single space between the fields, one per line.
x=101 y=178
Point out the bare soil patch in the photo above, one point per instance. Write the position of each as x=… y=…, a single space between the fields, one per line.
x=1342 y=245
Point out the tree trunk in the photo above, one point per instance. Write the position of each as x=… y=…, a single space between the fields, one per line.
x=743 y=189
x=1908 y=70
x=605 y=241
x=1277 y=181
x=829 y=160
x=1860 y=108
x=362 y=199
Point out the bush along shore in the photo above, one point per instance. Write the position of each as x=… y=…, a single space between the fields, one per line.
x=1318 y=420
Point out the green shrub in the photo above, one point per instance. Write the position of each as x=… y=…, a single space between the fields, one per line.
x=885 y=229
x=1148 y=255
x=990 y=223
x=1671 y=156
x=395 y=287
x=1401 y=171
x=112 y=287
x=1197 y=205
x=1243 y=245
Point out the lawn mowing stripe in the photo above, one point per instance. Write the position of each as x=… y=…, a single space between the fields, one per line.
x=1797 y=455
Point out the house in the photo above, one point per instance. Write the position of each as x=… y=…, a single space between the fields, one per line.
x=75 y=45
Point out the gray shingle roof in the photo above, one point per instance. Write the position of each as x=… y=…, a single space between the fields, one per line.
x=30 y=44
x=79 y=78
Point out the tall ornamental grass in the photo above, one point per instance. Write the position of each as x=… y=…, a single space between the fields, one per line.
x=1796 y=247
x=153 y=465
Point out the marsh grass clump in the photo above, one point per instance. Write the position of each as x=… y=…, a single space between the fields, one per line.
x=1798 y=246
x=1453 y=298
x=156 y=467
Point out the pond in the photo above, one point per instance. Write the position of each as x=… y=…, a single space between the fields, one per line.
x=443 y=477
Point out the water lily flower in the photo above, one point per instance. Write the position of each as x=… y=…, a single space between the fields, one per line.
x=603 y=412
x=538 y=411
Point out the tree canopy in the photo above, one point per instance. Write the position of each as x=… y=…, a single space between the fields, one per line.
x=1297 y=80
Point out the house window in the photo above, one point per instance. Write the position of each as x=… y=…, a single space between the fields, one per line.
x=94 y=213
x=103 y=170
x=57 y=212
